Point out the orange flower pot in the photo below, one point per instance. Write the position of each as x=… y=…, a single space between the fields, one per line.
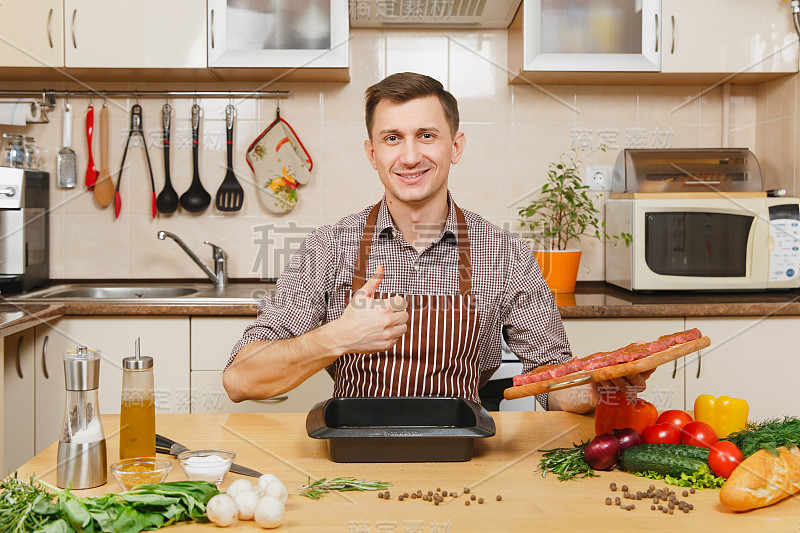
x=559 y=268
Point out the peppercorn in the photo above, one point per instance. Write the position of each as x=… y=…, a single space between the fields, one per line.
x=499 y=498
x=480 y=500
x=466 y=490
x=608 y=501
x=472 y=497
x=685 y=493
x=624 y=488
x=613 y=487
x=380 y=495
x=466 y=502
x=691 y=490
x=652 y=507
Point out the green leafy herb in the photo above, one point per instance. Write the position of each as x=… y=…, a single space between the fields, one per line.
x=317 y=489
x=39 y=506
x=700 y=480
x=767 y=435
x=568 y=463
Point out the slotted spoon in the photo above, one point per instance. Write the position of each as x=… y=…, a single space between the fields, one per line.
x=230 y=194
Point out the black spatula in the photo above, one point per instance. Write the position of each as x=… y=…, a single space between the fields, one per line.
x=230 y=194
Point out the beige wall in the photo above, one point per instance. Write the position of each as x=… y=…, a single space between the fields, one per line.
x=512 y=132
x=776 y=133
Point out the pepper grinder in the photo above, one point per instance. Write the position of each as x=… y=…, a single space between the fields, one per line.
x=82 y=446
x=137 y=418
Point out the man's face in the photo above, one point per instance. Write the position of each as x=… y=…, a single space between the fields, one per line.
x=412 y=149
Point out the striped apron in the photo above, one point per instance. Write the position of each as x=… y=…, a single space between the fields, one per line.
x=437 y=355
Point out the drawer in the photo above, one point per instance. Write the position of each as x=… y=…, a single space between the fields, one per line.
x=209 y=396
x=212 y=339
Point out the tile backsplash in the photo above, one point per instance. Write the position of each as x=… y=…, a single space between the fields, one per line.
x=512 y=131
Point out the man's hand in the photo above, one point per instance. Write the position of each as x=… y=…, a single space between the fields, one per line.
x=371 y=325
x=630 y=385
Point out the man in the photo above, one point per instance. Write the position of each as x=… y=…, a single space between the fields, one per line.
x=409 y=297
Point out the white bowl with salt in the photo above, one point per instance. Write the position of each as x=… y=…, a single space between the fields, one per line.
x=206 y=465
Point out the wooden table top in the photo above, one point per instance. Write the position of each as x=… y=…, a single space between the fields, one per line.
x=504 y=464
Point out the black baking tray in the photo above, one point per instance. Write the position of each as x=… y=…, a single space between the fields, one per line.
x=399 y=430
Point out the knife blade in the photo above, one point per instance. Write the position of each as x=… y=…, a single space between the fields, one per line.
x=170 y=447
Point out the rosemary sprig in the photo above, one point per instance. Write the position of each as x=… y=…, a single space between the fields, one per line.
x=321 y=487
x=568 y=463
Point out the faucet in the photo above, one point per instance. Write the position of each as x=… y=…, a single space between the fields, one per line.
x=220 y=274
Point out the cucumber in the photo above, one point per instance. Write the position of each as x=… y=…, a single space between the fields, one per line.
x=684 y=450
x=655 y=458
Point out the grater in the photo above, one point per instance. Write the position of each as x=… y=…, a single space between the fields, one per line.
x=67 y=160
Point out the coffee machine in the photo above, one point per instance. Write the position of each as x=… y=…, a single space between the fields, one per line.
x=24 y=229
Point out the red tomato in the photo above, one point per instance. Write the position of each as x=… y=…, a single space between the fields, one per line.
x=676 y=417
x=661 y=433
x=723 y=457
x=699 y=434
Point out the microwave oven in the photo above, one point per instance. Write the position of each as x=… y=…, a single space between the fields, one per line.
x=712 y=243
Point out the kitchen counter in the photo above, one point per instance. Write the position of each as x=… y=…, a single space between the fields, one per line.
x=504 y=464
x=590 y=300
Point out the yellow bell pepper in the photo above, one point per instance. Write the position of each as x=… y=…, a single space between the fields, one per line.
x=725 y=414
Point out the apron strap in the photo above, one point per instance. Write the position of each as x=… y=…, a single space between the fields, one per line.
x=360 y=272
x=464 y=255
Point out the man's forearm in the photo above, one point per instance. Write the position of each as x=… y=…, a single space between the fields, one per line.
x=263 y=369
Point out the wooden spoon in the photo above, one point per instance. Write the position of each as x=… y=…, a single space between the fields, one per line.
x=104 y=187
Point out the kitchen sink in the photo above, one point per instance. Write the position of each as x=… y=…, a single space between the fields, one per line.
x=193 y=293
x=125 y=293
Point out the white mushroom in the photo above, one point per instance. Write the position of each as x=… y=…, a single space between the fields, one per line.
x=239 y=486
x=265 y=480
x=221 y=509
x=269 y=512
x=246 y=501
x=276 y=489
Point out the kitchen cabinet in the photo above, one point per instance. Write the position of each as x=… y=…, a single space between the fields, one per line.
x=742 y=37
x=604 y=35
x=212 y=339
x=143 y=34
x=276 y=34
x=33 y=33
x=166 y=339
x=50 y=393
x=753 y=358
x=209 y=396
x=18 y=401
x=665 y=387
x=650 y=42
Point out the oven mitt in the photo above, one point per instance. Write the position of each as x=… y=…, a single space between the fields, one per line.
x=281 y=164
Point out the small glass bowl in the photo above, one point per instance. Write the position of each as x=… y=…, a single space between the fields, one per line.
x=206 y=465
x=139 y=471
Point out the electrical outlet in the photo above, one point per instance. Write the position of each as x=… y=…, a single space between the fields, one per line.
x=598 y=177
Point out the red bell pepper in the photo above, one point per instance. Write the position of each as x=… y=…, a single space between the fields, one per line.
x=617 y=411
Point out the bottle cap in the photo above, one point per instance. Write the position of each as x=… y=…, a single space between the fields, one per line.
x=81 y=369
x=137 y=362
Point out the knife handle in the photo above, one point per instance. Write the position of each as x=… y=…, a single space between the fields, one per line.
x=163 y=442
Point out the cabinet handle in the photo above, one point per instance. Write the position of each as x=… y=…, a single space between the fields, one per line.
x=49 y=28
x=212 y=28
x=656 y=32
x=72 y=28
x=699 y=360
x=672 y=49
x=675 y=369
x=19 y=363
x=44 y=357
x=274 y=399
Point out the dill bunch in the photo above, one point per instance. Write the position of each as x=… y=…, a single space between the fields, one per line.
x=767 y=435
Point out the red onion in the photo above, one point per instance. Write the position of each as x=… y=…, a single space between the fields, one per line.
x=603 y=452
x=627 y=437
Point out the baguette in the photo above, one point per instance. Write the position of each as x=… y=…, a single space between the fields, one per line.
x=762 y=479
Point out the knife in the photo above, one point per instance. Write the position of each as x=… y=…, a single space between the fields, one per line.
x=170 y=447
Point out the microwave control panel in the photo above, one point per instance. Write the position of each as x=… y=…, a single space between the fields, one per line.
x=784 y=228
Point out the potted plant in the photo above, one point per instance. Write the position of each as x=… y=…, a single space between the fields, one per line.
x=563 y=212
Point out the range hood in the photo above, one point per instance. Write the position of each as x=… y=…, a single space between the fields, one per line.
x=432 y=13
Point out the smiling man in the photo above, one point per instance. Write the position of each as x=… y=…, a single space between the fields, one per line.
x=411 y=296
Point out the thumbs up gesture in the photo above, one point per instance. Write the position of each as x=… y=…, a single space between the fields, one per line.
x=373 y=325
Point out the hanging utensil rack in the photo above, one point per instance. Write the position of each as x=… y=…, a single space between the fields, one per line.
x=49 y=96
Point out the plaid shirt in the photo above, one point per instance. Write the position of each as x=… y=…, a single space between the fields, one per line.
x=512 y=297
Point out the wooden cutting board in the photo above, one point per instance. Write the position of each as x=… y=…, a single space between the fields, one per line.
x=609 y=372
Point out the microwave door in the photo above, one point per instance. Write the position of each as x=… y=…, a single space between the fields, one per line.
x=701 y=248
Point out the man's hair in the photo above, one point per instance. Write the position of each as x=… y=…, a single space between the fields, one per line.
x=404 y=86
